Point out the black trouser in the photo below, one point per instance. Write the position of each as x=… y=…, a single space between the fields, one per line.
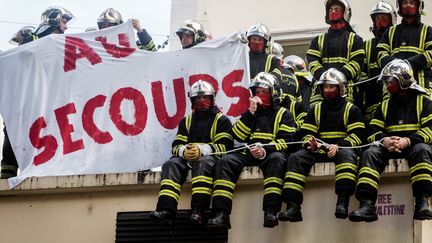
x=375 y=160
x=300 y=163
x=9 y=164
x=174 y=174
x=228 y=170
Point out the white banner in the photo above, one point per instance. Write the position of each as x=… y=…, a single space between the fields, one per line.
x=92 y=103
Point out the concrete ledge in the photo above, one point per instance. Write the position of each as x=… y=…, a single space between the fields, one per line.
x=151 y=179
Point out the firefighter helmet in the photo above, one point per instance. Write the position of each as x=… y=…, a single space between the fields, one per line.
x=344 y=3
x=383 y=7
x=194 y=28
x=109 y=17
x=419 y=9
x=267 y=81
x=403 y=72
x=298 y=66
x=19 y=36
x=276 y=49
x=51 y=19
x=335 y=77
x=260 y=30
x=201 y=87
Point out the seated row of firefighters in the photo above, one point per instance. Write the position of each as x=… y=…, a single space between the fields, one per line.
x=332 y=131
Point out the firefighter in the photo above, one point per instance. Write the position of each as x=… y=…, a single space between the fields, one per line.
x=22 y=36
x=383 y=16
x=202 y=133
x=288 y=81
x=258 y=36
x=264 y=123
x=403 y=125
x=338 y=48
x=304 y=77
x=54 y=20
x=410 y=40
x=191 y=33
x=111 y=17
x=337 y=122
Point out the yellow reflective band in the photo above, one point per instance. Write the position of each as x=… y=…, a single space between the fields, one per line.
x=278 y=120
x=371 y=138
x=411 y=49
x=332 y=134
x=273 y=190
x=205 y=179
x=419 y=106
x=321 y=42
x=268 y=63
x=225 y=183
x=181 y=138
x=317 y=113
x=243 y=127
x=201 y=190
x=370 y=171
x=403 y=127
x=168 y=182
x=332 y=60
x=377 y=122
x=222 y=148
x=314 y=66
x=384 y=46
x=262 y=135
x=309 y=127
x=421 y=177
x=306 y=138
x=351 y=70
x=355 y=125
x=347 y=176
x=222 y=193
x=169 y=193
x=313 y=53
x=188 y=122
x=423 y=135
x=365 y=180
x=423 y=37
x=294 y=186
x=346 y=114
x=428 y=44
x=214 y=126
x=350 y=44
x=223 y=135
x=343 y=166
x=420 y=166
x=295 y=175
x=287 y=128
x=358 y=52
x=354 y=138
x=273 y=180
x=239 y=133
x=391 y=36
x=373 y=65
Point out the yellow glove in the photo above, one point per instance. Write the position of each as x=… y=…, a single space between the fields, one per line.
x=191 y=152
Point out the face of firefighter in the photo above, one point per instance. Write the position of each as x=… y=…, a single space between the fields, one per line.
x=409 y=7
x=62 y=28
x=392 y=85
x=256 y=43
x=336 y=12
x=382 y=21
x=330 y=91
x=187 y=39
x=265 y=96
x=202 y=102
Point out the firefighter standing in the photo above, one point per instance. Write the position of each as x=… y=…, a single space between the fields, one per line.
x=267 y=123
x=200 y=134
x=410 y=40
x=403 y=125
x=338 y=123
x=304 y=77
x=258 y=36
x=54 y=20
x=191 y=33
x=339 y=48
x=383 y=16
x=111 y=17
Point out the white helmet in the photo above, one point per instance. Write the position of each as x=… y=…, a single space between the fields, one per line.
x=194 y=28
x=267 y=81
x=347 y=9
x=276 y=49
x=260 y=30
x=403 y=72
x=19 y=36
x=201 y=87
x=299 y=66
x=109 y=17
x=335 y=77
x=383 y=7
x=51 y=19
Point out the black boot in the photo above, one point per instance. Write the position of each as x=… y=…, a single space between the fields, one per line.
x=342 y=206
x=196 y=216
x=366 y=212
x=421 y=210
x=292 y=214
x=270 y=219
x=221 y=220
x=162 y=217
